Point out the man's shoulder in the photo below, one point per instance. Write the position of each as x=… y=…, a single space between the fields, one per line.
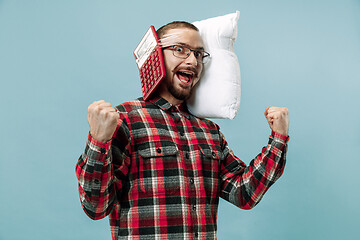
x=129 y=106
x=208 y=122
x=133 y=105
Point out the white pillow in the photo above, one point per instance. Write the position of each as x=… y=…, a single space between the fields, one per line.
x=217 y=94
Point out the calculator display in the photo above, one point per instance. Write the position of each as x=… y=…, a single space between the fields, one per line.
x=149 y=59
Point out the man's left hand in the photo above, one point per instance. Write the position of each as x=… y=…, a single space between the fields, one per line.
x=278 y=119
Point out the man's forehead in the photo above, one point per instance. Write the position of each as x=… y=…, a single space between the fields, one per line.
x=183 y=36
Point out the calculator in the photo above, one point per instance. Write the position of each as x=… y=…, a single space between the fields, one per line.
x=149 y=59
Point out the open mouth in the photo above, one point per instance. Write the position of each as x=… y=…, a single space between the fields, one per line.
x=185 y=76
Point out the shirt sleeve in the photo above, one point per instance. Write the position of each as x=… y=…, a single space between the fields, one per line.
x=98 y=183
x=244 y=186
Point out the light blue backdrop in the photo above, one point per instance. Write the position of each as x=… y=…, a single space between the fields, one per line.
x=57 y=57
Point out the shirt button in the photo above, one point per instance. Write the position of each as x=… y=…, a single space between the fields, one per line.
x=96 y=181
x=181 y=134
x=213 y=153
x=158 y=150
x=191 y=180
x=187 y=155
x=103 y=150
x=194 y=207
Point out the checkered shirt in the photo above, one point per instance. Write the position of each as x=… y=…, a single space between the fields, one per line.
x=161 y=175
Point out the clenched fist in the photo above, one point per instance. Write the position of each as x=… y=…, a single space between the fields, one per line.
x=102 y=120
x=278 y=119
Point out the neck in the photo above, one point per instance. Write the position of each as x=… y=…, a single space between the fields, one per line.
x=164 y=92
x=171 y=99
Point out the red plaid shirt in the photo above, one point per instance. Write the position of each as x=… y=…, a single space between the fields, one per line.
x=161 y=175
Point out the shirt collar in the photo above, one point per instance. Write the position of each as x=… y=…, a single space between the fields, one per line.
x=166 y=106
x=161 y=103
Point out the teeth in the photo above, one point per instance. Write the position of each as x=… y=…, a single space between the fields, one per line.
x=187 y=74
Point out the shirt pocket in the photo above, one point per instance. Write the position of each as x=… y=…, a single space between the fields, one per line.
x=158 y=169
x=210 y=158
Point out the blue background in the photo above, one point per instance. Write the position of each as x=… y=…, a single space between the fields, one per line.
x=57 y=57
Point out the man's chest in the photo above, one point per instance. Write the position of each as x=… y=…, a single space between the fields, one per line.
x=174 y=155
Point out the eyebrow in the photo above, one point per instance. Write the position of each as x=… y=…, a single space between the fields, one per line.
x=187 y=45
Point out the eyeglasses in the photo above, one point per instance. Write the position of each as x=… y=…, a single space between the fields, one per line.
x=184 y=52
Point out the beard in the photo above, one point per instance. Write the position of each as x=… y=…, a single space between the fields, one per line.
x=178 y=94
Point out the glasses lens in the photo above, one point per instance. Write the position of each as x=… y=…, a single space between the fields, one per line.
x=181 y=52
x=184 y=52
x=205 y=57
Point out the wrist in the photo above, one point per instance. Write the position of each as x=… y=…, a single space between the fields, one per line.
x=99 y=141
x=280 y=135
x=100 y=137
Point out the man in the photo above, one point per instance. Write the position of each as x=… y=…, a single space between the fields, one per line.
x=158 y=171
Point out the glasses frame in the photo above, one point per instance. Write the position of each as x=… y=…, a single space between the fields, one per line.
x=204 y=59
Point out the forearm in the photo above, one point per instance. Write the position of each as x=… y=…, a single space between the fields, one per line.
x=248 y=184
x=96 y=185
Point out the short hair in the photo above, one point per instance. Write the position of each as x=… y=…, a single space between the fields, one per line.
x=176 y=24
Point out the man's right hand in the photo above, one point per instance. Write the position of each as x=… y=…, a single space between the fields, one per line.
x=102 y=120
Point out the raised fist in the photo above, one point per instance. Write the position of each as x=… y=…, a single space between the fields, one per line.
x=278 y=119
x=102 y=120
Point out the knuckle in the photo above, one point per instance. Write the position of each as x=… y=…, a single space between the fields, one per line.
x=104 y=112
x=92 y=108
x=97 y=109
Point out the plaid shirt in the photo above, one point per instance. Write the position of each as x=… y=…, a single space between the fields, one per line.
x=161 y=175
